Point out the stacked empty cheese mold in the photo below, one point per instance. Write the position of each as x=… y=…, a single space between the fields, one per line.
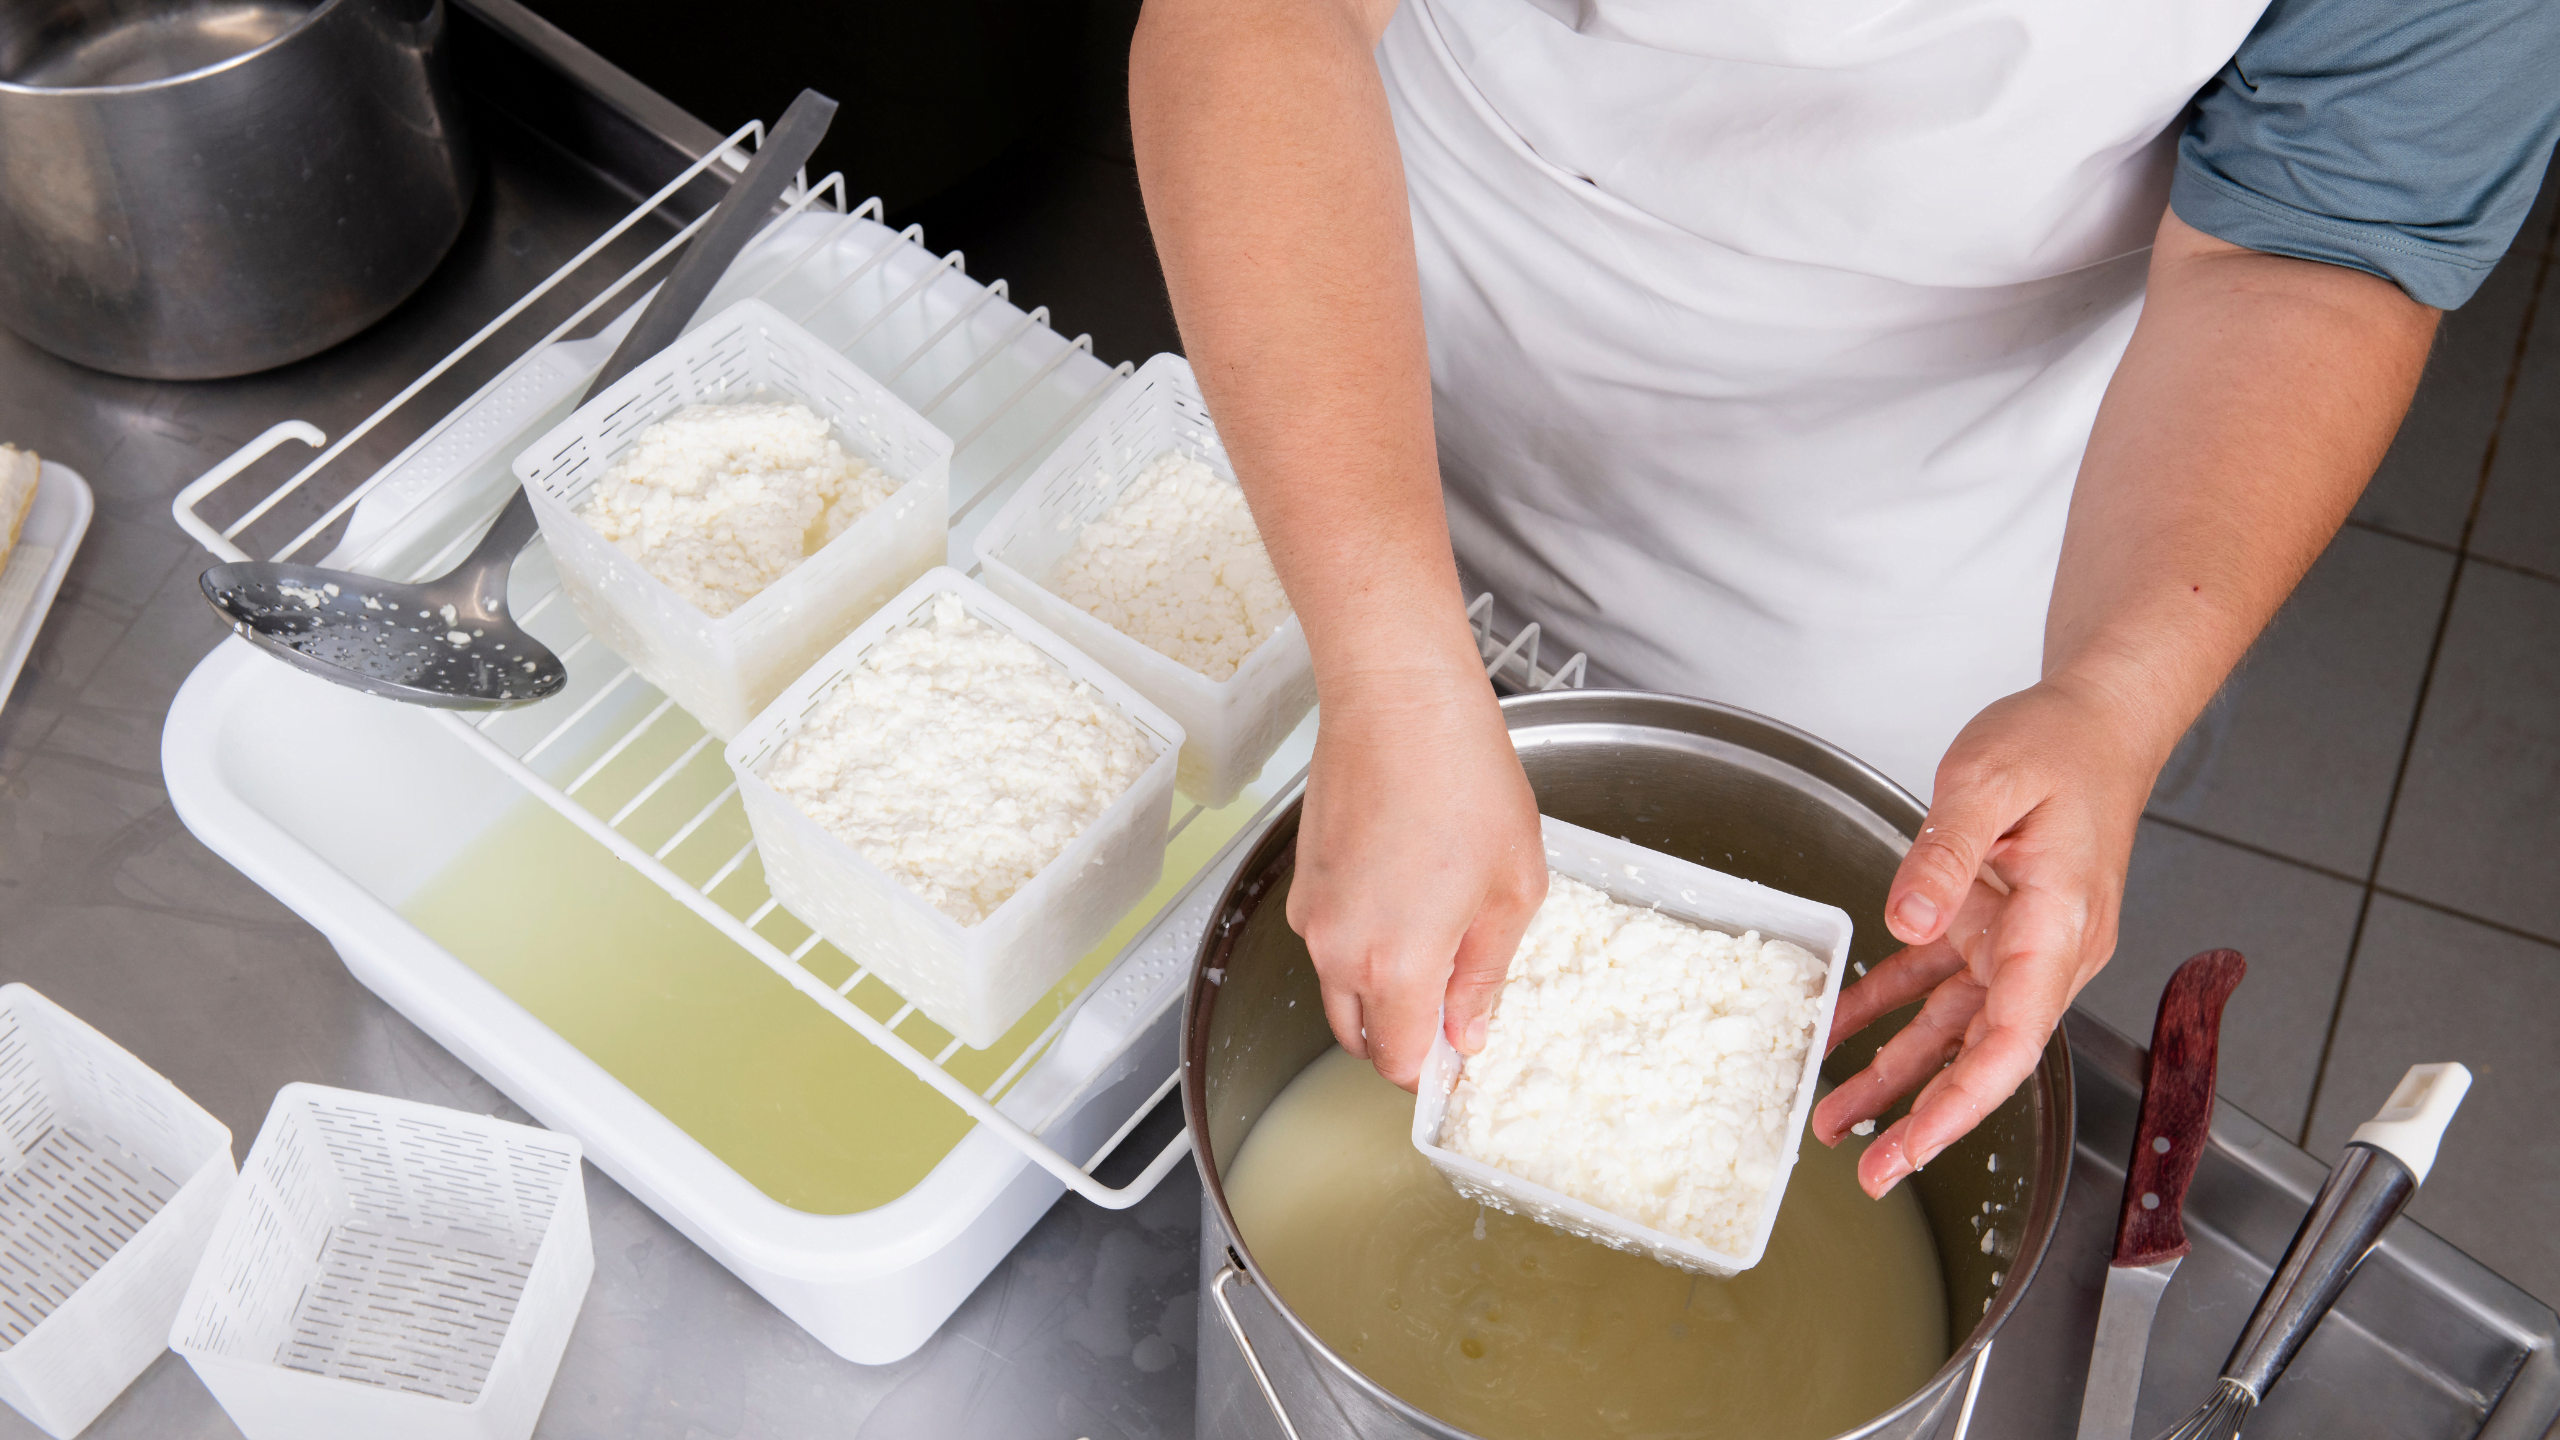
x=1231 y=726
x=110 y=1184
x=972 y=980
x=724 y=670
x=387 y=1270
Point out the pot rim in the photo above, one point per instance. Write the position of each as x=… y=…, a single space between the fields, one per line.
x=1274 y=852
x=308 y=19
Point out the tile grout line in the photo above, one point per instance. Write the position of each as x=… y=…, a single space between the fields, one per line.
x=2261 y=851
x=2483 y=921
x=2444 y=548
x=2342 y=877
x=2427 y=677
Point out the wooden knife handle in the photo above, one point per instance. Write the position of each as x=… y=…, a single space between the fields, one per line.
x=2177 y=1108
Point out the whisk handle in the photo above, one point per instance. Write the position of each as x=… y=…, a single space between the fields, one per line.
x=2363 y=1196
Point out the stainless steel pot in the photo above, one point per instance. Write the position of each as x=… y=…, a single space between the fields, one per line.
x=192 y=189
x=1718 y=786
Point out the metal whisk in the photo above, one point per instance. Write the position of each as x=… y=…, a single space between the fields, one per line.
x=2221 y=1417
x=2386 y=1160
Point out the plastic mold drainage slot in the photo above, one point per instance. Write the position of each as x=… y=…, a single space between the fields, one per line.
x=393 y=1246
x=69 y=1202
x=109 y=1182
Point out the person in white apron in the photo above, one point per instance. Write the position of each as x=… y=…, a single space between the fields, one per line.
x=1798 y=356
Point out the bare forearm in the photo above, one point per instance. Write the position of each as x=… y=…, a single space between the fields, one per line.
x=2251 y=407
x=1273 y=185
x=1269 y=166
x=2257 y=397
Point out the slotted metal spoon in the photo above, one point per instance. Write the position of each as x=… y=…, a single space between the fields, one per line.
x=449 y=641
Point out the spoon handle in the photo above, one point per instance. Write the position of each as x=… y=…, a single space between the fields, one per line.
x=490 y=560
x=740 y=214
x=733 y=223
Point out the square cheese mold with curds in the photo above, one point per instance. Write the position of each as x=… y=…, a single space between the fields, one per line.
x=1713 y=900
x=972 y=980
x=1232 y=725
x=726 y=669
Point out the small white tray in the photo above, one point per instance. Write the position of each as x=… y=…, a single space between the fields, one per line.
x=32 y=573
x=1630 y=873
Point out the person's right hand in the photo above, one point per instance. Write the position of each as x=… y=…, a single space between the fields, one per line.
x=1267 y=156
x=1419 y=864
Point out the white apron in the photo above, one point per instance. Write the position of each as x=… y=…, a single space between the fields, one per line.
x=1766 y=334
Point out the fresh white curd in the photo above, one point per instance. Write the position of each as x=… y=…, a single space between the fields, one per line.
x=960 y=760
x=1642 y=1064
x=720 y=501
x=1177 y=565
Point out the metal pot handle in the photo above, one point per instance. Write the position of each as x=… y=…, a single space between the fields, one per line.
x=1261 y=1377
x=1973 y=1389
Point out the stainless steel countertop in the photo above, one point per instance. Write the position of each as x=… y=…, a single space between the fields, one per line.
x=110 y=907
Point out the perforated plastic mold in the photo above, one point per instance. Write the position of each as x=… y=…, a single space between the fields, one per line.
x=391 y=1270
x=1231 y=726
x=973 y=980
x=110 y=1182
x=1631 y=874
x=724 y=670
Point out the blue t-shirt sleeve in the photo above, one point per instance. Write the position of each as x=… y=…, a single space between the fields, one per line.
x=2407 y=140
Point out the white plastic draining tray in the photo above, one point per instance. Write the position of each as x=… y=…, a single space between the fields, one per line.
x=285 y=777
x=1634 y=875
x=31 y=574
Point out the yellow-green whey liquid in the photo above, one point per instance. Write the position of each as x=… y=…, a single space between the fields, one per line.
x=1513 y=1331
x=785 y=1093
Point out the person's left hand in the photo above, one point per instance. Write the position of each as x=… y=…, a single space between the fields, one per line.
x=2007 y=905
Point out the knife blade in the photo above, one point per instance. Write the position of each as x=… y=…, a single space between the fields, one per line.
x=2151 y=1232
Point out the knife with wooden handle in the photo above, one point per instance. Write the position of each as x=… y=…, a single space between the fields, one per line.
x=2151 y=1232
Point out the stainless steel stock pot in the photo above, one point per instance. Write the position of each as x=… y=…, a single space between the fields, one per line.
x=199 y=188
x=1711 y=784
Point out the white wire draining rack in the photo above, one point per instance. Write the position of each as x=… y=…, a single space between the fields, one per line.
x=624 y=763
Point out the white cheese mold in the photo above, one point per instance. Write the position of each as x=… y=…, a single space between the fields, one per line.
x=724 y=670
x=110 y=1183
x=973 y=980
x=1708 y=898
x=1231 y=726
x=390 y=1270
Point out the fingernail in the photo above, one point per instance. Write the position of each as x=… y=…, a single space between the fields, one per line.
x=1915 y=916
x=1475 y=1036
x=1896 y=1165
